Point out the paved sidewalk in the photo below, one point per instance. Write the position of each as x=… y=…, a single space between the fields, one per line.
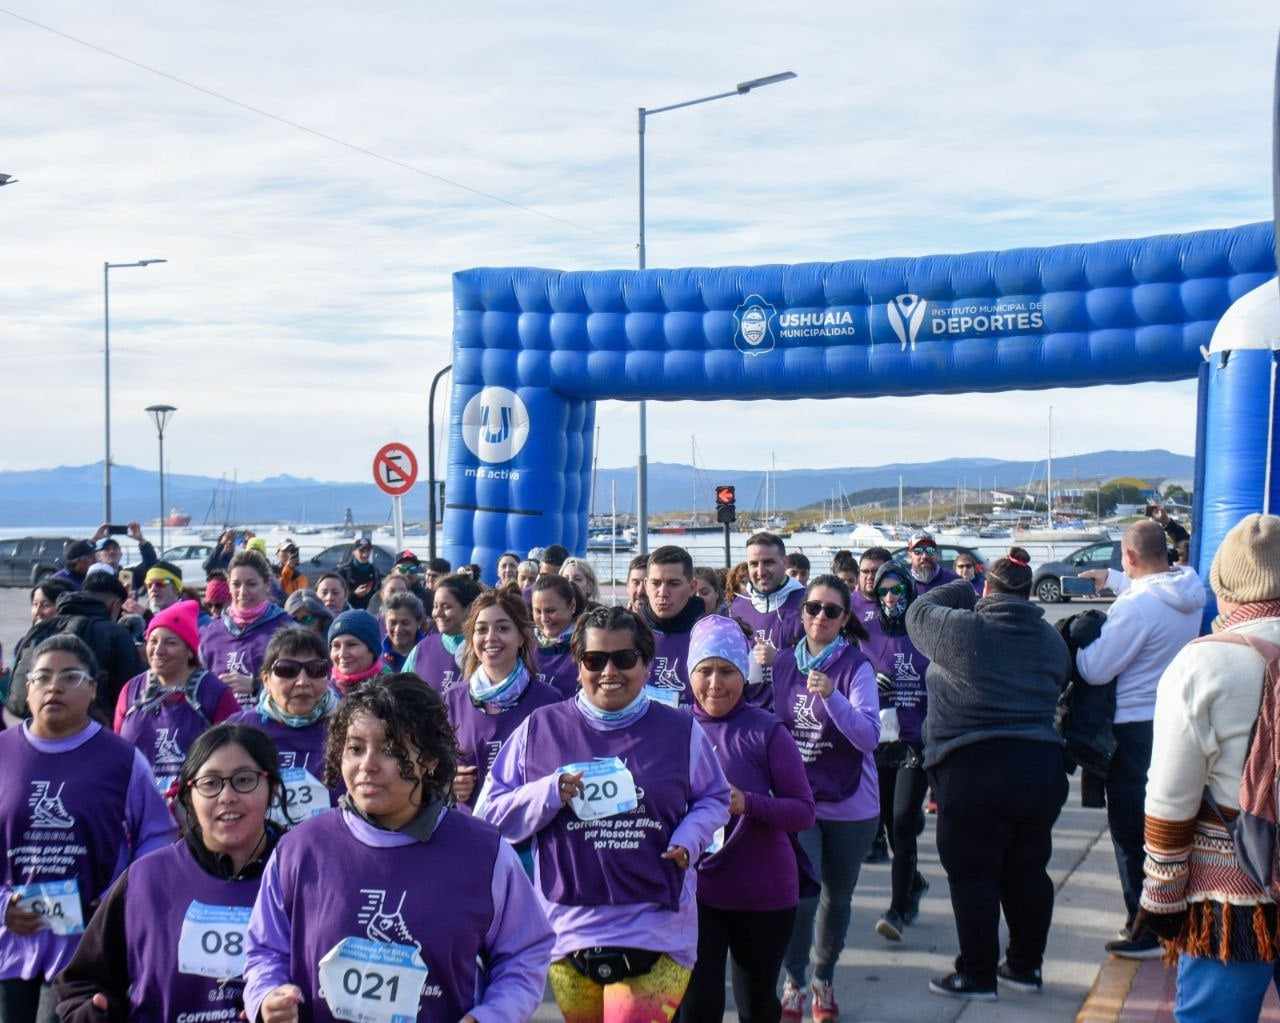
x=877 y=982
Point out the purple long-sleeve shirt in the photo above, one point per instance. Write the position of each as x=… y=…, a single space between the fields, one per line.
x=148 y=825
x=859 y=722
x=520 y=807
x=766 y=766
x=516 y=947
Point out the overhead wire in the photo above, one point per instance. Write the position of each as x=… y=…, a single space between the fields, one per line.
x=354 y=147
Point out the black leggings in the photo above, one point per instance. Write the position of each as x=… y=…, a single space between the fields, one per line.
x=27 y=1001
x=756 y=942
x=902 y=787
x=997 y=803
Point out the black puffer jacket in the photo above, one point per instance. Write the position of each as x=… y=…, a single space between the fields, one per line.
x=996 y=668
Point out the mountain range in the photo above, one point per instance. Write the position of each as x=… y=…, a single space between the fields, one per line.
x=72 y=495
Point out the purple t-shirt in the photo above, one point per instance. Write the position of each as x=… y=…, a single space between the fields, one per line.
x=896 y=656
x=460 y=900
x=227 y=650
x=557 y=668
x=834 y=733
x=165 y=731
x=431 y=661
x=73 y=810
x=761 y=760
x=480 y=735
x=178 y=920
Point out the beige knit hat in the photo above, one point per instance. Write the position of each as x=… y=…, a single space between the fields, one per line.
x=1246 y=568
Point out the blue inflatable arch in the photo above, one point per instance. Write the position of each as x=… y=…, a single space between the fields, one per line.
x=534 y=350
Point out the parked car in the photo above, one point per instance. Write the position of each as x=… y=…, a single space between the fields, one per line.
x=190 y=558
x=26 y=560
x=1046 y=584
x=330 y=558
x=947 y=554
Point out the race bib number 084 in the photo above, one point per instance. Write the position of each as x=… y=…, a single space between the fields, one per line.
x=372 y=981
x=211 y=943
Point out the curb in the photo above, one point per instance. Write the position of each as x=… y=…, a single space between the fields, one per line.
x=1106 y=998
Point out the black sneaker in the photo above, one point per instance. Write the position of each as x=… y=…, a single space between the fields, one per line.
x=1028 y=981
x=957 y=985
x=879 y=851
x=1144 y=946
x=891 y=925
x=918 y=887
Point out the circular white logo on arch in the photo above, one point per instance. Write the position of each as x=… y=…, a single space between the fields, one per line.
x=495 y=424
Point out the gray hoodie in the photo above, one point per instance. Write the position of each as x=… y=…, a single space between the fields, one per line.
x=996 y=668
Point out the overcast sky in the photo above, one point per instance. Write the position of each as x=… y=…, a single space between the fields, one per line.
x=306 y=302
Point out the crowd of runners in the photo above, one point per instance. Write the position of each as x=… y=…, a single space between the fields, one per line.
x=421 y=797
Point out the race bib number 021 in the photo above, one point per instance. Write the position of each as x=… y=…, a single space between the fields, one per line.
x=211 y=943
x=57 y=903
x=372 y=981
x=608 y=788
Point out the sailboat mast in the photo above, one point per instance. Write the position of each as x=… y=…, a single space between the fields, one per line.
x=899 y=498
x=1048 y=474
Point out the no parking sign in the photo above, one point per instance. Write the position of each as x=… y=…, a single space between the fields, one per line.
x=395 y=469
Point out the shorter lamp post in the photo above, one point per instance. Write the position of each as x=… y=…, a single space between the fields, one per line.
x=161 y=414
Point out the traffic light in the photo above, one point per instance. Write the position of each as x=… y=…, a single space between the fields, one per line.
x=726 y=509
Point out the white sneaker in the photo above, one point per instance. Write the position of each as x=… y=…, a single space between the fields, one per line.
x=792 y=1003
x=825 y=1009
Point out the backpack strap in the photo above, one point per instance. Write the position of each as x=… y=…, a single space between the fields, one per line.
x=1267 y=651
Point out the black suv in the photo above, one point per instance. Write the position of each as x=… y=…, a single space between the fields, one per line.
x=330 y=558
x=1047 y=582
x=27 y=560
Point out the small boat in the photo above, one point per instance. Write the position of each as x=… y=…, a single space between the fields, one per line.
x=832 y=526
x=605 y=544
x=177 y=518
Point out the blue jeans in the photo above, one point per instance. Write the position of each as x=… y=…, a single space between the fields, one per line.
x=1210 y=991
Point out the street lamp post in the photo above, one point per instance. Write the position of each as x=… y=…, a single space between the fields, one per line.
x=161 y=414
x=642 y=461
x=106 y=376
x=431 y=463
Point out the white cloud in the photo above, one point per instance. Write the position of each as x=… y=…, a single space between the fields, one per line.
x=307 y=301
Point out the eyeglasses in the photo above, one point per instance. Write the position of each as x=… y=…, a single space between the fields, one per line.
x=288 y=668
x=813 y=608
x=623 y=660
x=68 y=678
x=244 y=782
x=896 y=590
x=925 y=550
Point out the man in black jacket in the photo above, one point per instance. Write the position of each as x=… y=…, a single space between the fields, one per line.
x=995 y=673
x=361 y=574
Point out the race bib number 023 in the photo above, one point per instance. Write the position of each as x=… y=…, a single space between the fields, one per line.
x=608 y=788
x=57 y=903
x=304 y=797
x=372 y=981
x=211 y=943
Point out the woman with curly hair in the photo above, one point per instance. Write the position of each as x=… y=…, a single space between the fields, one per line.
x=344 y=912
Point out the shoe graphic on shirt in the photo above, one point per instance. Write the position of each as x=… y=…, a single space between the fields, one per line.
x=47 y=810
x=381 y=925
x=167 y=751
x=665 y=674
x=803 y=713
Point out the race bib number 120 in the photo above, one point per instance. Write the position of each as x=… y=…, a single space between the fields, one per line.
x=372 y=981
x=211 y=943
x=56 y=902
x=608 y=788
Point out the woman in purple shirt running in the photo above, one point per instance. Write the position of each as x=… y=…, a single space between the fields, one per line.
x=168 y=940
x=394 y=894
x=437 y=660
x=825 y=693
x=748 y=886
x=557 y=603
x=78 y=804
x=621 y=795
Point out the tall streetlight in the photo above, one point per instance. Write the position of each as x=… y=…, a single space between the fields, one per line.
x=161 y=414
x=431 y=463
x=106 y=376
x=642 y=466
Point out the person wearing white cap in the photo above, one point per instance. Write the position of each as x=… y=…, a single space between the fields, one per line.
x=926 y=573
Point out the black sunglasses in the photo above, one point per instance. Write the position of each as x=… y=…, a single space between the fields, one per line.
x=813 y=608
x=623 y=660
x=288 y=668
